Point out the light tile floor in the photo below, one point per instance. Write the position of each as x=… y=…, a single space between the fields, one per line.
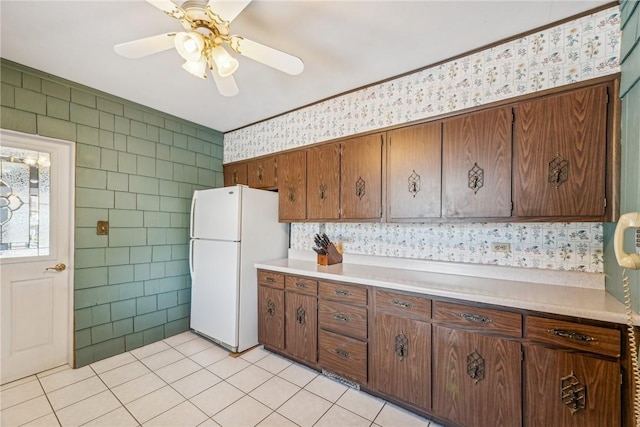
x=186 y=381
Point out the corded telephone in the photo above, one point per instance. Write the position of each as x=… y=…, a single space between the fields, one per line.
x=629 y=261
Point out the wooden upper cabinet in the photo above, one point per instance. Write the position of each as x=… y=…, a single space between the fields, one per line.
x=323 y=182
x=292 y=186
x=476 y=165
x=235 y=174
x=414 y=172
x=560 y=155
x=361 y=186
x=262 y=172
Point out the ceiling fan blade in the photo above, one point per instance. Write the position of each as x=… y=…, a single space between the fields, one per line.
x=228 y=10
x=167 y=6
x=147 y=46
x=226 y=85
x=269 y=56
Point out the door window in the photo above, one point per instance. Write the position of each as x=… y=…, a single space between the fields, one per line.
x=24 y=202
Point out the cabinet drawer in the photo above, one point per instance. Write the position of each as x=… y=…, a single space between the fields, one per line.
x=479 y=319
x=343 y=318
x=302 y=285
x=268 y=278
x=573 y=335
x=407 y=305
x=343 y=292
x=344 y=356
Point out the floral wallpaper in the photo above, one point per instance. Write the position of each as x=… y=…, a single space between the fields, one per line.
x=558 y=246
x=578 y=50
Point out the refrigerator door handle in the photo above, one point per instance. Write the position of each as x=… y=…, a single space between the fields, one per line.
x=192 y=232
x=191 y=249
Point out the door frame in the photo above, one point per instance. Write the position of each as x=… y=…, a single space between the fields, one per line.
x=68 y=151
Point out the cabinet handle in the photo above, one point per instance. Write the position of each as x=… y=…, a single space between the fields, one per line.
x=271 y=308
x=414 y=183
x=558 y=171
x=402 y=346
x=571 y=335
x=475 y=318
x=260 y=172
x=341 y=292
x=403 y=304
x=270 y=279
x=342 y=353
x=322 y=191
x=573 y=393
x=360 y=188
x=301 y=314
x=341 y=317
x=292 y=195
x=234 y=180
x=475 y=366
x=476 y=178
x=301 y=285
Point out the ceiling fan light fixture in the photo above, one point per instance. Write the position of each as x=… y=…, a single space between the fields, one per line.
x=197 y=68
x=190 y=45
x=225 y=63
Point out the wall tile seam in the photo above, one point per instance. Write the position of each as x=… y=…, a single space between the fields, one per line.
x=22 y=69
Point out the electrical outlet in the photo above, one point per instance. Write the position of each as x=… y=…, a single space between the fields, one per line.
x=501 y=247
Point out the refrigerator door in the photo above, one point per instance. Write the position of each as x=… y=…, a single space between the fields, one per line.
x=215 y=214
x=214 y=289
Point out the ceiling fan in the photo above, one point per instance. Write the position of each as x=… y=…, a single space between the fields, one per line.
x=202 y=44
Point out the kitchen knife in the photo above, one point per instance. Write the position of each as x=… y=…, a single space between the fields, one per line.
x=325 y=240
x=319 y=251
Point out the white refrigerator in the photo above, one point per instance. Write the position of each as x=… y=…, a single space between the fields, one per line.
x=232 y=228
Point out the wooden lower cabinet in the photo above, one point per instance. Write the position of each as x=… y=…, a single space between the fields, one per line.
x=301 y=326
x=567 y=389
x=271 y=317
x=476 y=379
x=401 y=359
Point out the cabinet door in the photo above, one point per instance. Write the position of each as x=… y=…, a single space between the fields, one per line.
x=414 y=172
x=271 y=317
x=292 y=186
x=361 y=186
x=401 y=359
x=262 y=173
x=569 y=390
x=301 y=326
x=235 y=174
x=477 y=379
x=323 y=182
x=560 y=154
x=476 y=165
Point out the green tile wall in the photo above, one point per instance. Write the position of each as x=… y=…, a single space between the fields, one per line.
x=136 y=168
x=630 y=168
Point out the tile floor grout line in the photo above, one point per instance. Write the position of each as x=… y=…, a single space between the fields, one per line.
x=46 y=395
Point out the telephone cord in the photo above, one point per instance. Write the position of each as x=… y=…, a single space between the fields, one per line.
x=632 y=346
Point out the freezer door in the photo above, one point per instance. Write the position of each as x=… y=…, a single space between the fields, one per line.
x=214 y=289
x=215 y=214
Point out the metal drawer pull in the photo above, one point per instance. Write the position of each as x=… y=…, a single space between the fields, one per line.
x=271 y=308
x=475 y=318
x=270 y=279
x=571 y=335
x=403 y=304
x=301 y=314
x=341 y=317
x=341 y=292
x=342 y=353
x=301 y=285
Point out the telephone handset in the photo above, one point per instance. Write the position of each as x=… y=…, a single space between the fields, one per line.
x=630 y=261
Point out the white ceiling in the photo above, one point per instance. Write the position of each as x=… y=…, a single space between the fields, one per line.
x=344 y=45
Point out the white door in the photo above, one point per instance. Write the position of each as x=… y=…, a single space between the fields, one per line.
x=36 y=244
x=214 y=289
x=215 y=214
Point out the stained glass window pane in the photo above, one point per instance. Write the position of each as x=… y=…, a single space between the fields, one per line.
x=24 y=202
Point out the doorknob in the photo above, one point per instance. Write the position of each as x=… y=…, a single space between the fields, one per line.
x=58 y=267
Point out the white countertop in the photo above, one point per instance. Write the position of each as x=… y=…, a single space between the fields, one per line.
x=591 y=302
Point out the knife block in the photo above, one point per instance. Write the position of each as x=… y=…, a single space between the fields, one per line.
x=332 y=256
